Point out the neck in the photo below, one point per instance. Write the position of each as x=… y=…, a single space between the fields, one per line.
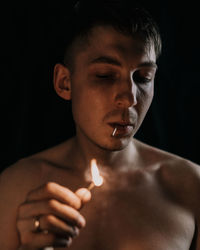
x=84 y=150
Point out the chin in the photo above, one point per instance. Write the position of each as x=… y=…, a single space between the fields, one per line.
x=116 y=145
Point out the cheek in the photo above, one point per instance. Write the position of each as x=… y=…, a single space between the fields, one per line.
x=145 y=98
x=88 y=103
x=146 y=93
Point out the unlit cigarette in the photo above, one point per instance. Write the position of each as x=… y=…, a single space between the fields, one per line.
x=114 y=131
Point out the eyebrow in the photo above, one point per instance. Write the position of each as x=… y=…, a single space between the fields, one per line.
x=148 y=64
x=106 y=59
x=114 y=61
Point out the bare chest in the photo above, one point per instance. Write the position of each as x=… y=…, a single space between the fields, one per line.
x=132 y=211
x=139 y=218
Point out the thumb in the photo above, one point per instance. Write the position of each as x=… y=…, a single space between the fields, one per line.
x=84 y=194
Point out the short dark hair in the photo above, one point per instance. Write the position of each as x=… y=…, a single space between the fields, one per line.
x=126 y=17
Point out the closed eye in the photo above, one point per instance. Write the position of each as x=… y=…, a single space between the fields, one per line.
x=105 y=76
x=138 y=78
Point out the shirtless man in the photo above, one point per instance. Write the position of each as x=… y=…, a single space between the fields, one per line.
x=150 y=198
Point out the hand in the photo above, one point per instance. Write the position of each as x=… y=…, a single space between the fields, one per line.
x=50 y=216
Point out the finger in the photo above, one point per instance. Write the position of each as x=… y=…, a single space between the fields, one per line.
x=52 y=190
x=48 y=223
x=84 y=194
x=40 y=240
x=28 y=224
x=55 y=225
x=62 y=242
x=54 y=207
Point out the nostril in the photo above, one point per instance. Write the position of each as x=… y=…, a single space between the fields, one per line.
x=126 y=100
x=120 y=104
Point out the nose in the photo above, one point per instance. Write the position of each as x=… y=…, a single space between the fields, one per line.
x=126 y=95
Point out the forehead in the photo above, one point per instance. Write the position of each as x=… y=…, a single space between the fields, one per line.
x=106 y=41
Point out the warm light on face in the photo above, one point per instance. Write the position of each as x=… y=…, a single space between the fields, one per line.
x=96 y=178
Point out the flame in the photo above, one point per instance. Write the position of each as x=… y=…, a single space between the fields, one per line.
x=96 y=178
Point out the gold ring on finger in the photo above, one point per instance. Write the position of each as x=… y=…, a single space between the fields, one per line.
x=37 y=224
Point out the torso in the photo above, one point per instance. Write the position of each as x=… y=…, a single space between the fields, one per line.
x=131 y=210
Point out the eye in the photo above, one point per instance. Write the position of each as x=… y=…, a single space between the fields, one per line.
x=142 y=79
x=105 y=76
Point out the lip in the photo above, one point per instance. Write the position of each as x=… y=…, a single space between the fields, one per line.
x=123 y=128
x=121 y=123
x=114 y=124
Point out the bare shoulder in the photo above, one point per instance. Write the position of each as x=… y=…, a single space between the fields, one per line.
x=35 y=170
x=153 y=155
x=18 y=178
x=179 y=177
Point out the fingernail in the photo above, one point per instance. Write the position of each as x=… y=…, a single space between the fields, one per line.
x=75 y=231
x=81 y=221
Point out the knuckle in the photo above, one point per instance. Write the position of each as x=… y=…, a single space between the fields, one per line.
x=72 y=199
x=52 y=205
x=21 y=210
x=19 y=225
x=51 y=238
x=75 y=203
x=48 y=239
x=49 y=187
x=49 y=220
x=25 y=238
x=20 y=207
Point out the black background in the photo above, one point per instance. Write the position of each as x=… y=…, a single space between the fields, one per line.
x=33 y=117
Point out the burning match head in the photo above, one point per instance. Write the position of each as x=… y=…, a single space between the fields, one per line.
x=96 y=177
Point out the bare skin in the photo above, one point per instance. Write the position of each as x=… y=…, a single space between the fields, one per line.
x=140 y=208
x=149 y=199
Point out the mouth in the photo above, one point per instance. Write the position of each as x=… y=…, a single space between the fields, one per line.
x=122 y=128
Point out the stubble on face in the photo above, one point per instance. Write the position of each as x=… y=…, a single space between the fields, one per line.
x=92 y=102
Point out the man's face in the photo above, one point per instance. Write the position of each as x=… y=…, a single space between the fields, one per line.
x=112 y=87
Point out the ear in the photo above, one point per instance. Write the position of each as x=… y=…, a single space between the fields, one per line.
x=62 y=81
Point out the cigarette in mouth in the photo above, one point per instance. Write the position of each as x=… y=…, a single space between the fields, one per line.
x=114 y=131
